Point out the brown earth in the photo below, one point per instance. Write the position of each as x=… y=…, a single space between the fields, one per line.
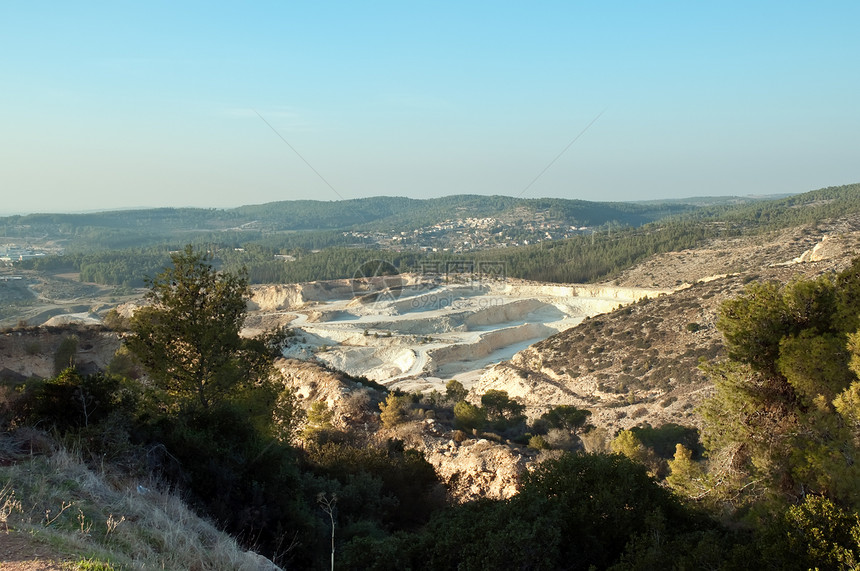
x=746 y=254
x=19 y=552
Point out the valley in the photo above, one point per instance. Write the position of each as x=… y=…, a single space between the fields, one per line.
x=418 y=333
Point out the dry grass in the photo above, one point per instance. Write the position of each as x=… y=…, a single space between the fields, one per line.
x=61 y=502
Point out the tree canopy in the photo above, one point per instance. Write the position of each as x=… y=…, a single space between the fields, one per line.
x=782 y=421
x=187 y=337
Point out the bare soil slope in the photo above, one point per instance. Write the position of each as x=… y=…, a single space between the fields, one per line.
x=641 y=363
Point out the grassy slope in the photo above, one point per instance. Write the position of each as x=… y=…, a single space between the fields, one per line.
x=58 y=501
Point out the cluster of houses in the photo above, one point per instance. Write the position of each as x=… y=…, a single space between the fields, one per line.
x=11 y=253
x=471 y=234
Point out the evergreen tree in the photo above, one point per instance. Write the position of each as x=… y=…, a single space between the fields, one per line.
x=187 y=338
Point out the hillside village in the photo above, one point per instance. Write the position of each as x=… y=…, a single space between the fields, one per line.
x=467 y=234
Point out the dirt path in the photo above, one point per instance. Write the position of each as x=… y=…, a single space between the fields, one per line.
x=20 y=552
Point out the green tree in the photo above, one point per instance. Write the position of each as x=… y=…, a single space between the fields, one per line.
x=66 y=353
x=685 y=474
x=814 y=534
x=187 y=337
x=629 y=444
x=502 y=409
x=288 y=415
x=566 y=417
x=455 y=391
x=468 y=416
x=395 y=410
x=782 y=422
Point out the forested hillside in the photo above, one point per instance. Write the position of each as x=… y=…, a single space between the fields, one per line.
x=105 y=229
x=597 y=254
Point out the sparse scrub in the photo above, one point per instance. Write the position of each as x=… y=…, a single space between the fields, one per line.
x=639 y=412
x=538 y=442
x=559 y=439
x=116 y=528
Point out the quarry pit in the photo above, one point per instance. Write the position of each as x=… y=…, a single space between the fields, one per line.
x=415 y=334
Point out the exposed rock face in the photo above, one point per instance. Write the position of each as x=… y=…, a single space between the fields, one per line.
x=471 y=469
x=30 y=352
x=294 y=296
x=474 y=468
x=747 y=254
x=83 y=318
x=832 y=247
x=353 y=404
x=606 y=292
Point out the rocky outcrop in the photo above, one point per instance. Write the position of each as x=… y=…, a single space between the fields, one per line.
x=470 y=467
x=31 y=352
x=474 y=468
x=830 y=247
x=596 y=291
x=294 y=296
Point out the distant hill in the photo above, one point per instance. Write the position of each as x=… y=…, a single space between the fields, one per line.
x=380 y=213
x=546 y=239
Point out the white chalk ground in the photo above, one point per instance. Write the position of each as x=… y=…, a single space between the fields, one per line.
x=421 y=336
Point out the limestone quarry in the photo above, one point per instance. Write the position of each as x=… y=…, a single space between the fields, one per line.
x=415 y=334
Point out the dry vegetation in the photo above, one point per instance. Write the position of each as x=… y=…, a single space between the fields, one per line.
x=640 y=363
x=70 y=512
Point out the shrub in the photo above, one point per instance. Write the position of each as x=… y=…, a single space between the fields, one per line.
x=71 y=401
x=639 y=412
x=502 y=410
x=455 y=391
x=395 y=410
x=560 y=439
x=468 y=416
x=538 y=443
x=566 y=417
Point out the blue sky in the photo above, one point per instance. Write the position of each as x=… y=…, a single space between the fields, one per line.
x=116 y=104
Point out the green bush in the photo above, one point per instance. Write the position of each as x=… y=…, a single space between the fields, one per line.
x=71 y=401
x=229 y=469
x=538 y=442
x=468 y=416
x=395 y=410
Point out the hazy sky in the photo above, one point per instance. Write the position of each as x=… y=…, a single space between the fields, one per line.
x=118 y=104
